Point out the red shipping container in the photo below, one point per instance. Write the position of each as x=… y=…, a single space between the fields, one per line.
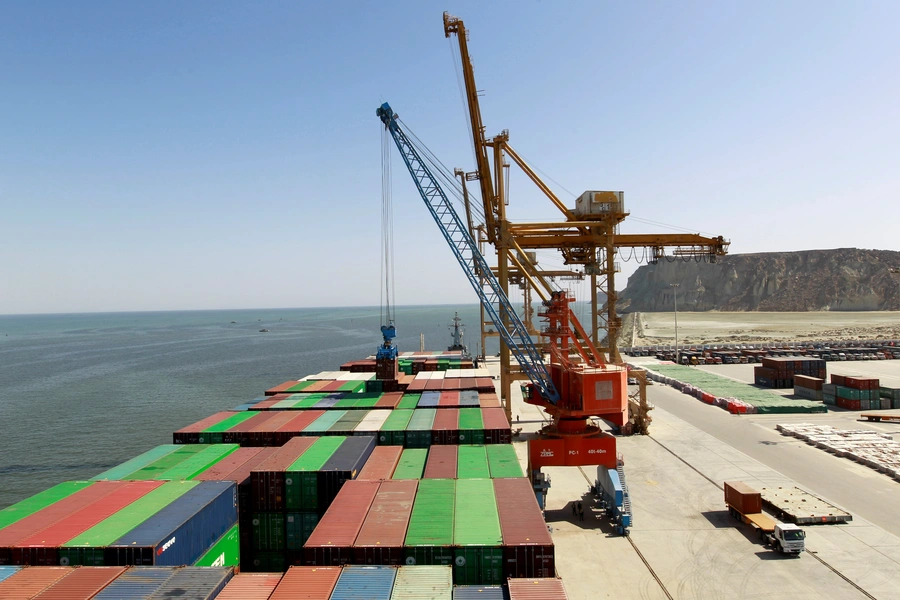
x=537 y=589
x=441 y=462
x=837 y=379
x=267 y=479
x=238 y=433
x=469 y=383
x=527 y=546
x=307 y=583
x=264 y=433
x=191 y=433
x=331 y=542
x=496 y=426
x=380 y=539
x=332 y=386
x=810 y=383
x=381 y=463
x=250 y=586
x=281 y=387
x=434 y=385
x=743 y=498
x=449 y=398
x=445 y=429
x=485 y=384
x=389 y=400
x=295 y=426
x=220 y=470
x=27 y=583
x=83 y=582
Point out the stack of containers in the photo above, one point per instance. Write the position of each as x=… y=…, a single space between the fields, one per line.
x=445 y=429
x=890 y=394
x=778 y=372
x=471 y=426
x=527 y=546
x=496 y=426
x=856 y=393
x=311 y=583
x=331 y=543
x=478 y=553
x=808 y=387
x=418 y=431
x=381 y=536
x=79 y=583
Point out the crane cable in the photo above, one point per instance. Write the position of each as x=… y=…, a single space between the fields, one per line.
x=387 y=231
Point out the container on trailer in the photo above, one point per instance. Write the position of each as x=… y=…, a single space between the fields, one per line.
x=301 y=479
x=191 y=433
x=480 y=592
x=343 y=465
x=81 y=583
x=418 y=432
x=503 y=461
x=471 y=426
x=496 y=426
x=267 y=481
x=311 y=583
x=445 y=429
x=528 y=549
x=250 y=586
x=412 y=464
x=546 y=588
x=393 y=432
x=331 y=542
x=743 y=498
x=195 y=583
x=136 y=583
x=478 y=555
x=441 y=463
x=380 y=539
x=422 y=582
x=30 y=582
x=181 y=532
x=226 y=552
x=372 y=583
x=429 y=537
x=381 y=463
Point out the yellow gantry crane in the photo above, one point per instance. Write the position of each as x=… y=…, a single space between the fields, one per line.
x=586 y=235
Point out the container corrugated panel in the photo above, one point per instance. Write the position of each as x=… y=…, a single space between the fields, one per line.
x=472 y=463
x=478 y=557
x=392 y=433
x=137 y=583
x=537 y=589
x=30 y=582
x=301 y=479
x=445 y=429
x=430 y=532
x=267 y=480
x=180 y=533
x=480 y=592
x=344 y=465
x=528 y=549
x=381 y=463
x=142 y=460
x=324 y=423
x=418 y=432
x=81 y=583
x=412 y=464
x=503 y=461
x=423 y=583
x=331 y=542
x=372 y=583
x=372 y=422
x=380 y=539
x=190 y=434
x=164 y=463
x=224 y=553
x=309 y=583
x=195 y=583
x=38 y=502
x=199 y=462
x=441 y=463
x=348 y=422
x=298 y=527
x=251 y=586
x=8 y=571
x=429 y=399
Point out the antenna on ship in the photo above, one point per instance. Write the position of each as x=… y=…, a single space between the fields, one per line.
x=457 y=332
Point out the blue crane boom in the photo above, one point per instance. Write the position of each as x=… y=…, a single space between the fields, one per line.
x=492 y=296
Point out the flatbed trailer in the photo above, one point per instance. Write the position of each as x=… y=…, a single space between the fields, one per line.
x=745 y=505
x=880 y=417
x=800 y=507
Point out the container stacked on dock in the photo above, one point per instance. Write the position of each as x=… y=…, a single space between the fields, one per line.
x=778 y=372
x=857 y=393
x=808 y=387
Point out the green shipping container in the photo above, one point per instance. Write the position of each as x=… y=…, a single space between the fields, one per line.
x=367 y=400
x=300 y=386
x=268 y=531
x=412 y=464
x=348 y=422
x=196 y=464
x=266 y=562
x=418 y=432
x=324 y=422
x=301 y=485
x=393 y=430
x=429 y=536
x=38 y=502
x=121 y=471
x=409 y=401
x=163 y=464
x=87 y=548
x=472 y=463
x=297 y=401
x=225 y=553
x=213 y=434
x=298 y=527
x=478 y=556
x=471 y=426
x=353 y=387
x=503 y=461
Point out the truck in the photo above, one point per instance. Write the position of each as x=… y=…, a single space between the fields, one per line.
x=745 y=504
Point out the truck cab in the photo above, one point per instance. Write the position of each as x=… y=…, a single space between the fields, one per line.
x=789 y=538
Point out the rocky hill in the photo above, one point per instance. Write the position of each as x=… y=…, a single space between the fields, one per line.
x=845 y=279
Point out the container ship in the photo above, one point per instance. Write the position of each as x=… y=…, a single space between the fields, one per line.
x=384 y=479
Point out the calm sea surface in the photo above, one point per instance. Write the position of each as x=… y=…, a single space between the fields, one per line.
x=82 y=393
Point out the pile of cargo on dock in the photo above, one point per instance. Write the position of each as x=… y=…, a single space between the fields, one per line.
x=779 y=372
x=876 y=450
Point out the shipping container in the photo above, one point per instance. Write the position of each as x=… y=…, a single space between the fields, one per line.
x=469 y=398
x=537 y=589
x=472 y=463
x=503 y=461
x=393 y=432
x=220 y=470
x=528 y=549
x=38 y=502
x=224 y=553
x=441 y=463
x=153 y=470
x=409 y=401
x=471 y=426
x=371 y=583
x=331 y=542
x=251 y=586
x=381 y=463
x=381 y=537
x=215 y=434
x=445 y=429
x=29 y=582
x=480 y=592
x=421 y=582
x=81 y=583
x=267 y=480
x=195 y=583
x=269 y=531
x=371 y=424
x=742 y=498
x=347 y=423
x=198 y=463
x=308 y=583
x=298 y=527
x=293 y=428
x=496 y=426
x=8 y=571
x=478 y=556
x=412 y=464
x=183 y=531
x=130 y=466
x=325 y=422
x=343 y=465
x=136 y=583
x=191 y=433
x=418 y=432
x=429 y=537
x=301 y=479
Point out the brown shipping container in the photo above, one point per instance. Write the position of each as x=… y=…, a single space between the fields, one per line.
x=537 y=589
x=238 y=433
x=331 y=542
x=496 y=427
x=488 y=400
x=191 y=433
x=83 y=582
x=267 y=479
x=441 y=463
x=445 y=429
x=742 y=497
x=810 y=383
x=250 y=586
x=528 y=549
x=265 y=434
x=295 y=426
x=380 y=539
x=280 y=388
x=218 y=471
x=837 y=379
x=389 y=400
x=307 y=583
x=381 y=463
x=27 y=583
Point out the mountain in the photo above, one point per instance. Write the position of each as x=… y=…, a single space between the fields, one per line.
x=844 y=279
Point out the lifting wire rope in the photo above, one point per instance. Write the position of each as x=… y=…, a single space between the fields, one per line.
x=387 y=233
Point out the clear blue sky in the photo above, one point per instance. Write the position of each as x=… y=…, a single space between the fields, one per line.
x=187 y=155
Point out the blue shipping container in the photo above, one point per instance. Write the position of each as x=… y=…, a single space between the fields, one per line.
x=468 y=398
x=429 y=400
x=326 y=402
x=8 y=571
x=195 y=583
x=136 y=583
x=372 y=583
x=480 y=592
x=181 y=532
x=343 y=465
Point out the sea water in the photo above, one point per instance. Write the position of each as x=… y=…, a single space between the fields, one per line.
x=81 y=393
